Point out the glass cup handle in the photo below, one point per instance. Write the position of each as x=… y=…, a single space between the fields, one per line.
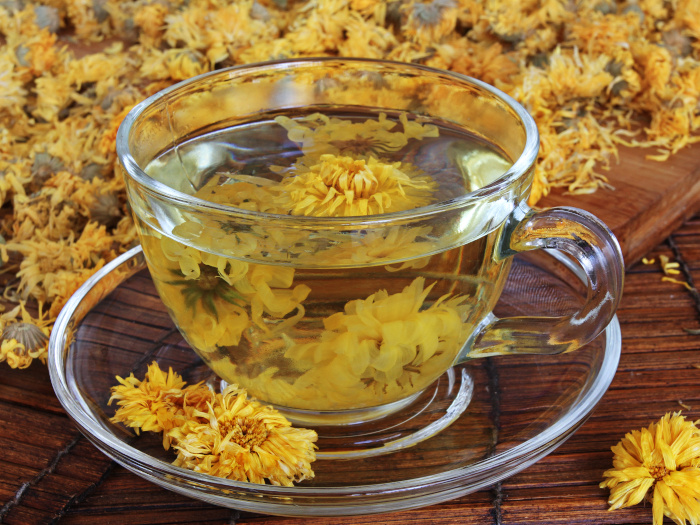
x=595 y=248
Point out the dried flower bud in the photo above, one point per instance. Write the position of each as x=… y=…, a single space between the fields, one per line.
x=90 y=171
x=12 y=5
x=47 y=17
x=677 y=43
x=27 y=334
x=106 y=210
x=259 y=12
x=606 y=7
x=43 y=167
x=98 y=7
x=21 y=54
x=634 y=8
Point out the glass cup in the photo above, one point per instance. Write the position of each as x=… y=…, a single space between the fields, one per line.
x=333 y=234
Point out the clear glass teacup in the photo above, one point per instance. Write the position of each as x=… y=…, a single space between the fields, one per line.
x=333 y=234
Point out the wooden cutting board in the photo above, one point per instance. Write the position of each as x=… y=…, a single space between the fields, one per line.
x=651 y=199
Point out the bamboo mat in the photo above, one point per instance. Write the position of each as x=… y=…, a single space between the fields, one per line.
x=49 y=473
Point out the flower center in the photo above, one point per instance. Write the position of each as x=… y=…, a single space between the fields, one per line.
x=246 y=432
x=346 y=174
x=208 y=278
x=658 y=471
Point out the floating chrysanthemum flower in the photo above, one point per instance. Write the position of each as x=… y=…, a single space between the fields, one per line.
x=338 y=186
x=664 y=459
x=240 y=439
x=225 y=435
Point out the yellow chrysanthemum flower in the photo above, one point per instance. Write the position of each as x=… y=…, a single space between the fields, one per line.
x=225 y=435
x=338 y=186
x=215 y=299
x=25 y=340
x=384 y=345
x=664 y=457
x=240 y=439
x=159 y=403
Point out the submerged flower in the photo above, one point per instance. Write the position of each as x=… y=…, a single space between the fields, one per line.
x=338 y=186
x=205 y=289
x=392 y=343
x=663 y=459
x=205 y=277
x=225 y=435
x=398 y=243
x=318 y=134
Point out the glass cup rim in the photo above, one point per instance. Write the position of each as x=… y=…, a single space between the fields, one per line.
x=494 y=190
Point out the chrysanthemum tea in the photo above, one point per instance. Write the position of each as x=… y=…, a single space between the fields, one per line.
x=355 y=321
x=333 y=234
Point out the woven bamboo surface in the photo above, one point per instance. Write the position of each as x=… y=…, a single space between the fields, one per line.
x=49 y=473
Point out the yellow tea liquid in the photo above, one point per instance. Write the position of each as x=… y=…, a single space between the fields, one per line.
x=359 y=320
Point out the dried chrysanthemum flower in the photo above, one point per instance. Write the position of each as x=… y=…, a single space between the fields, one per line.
x=664 y=459
x=25 y=340
x=338 y=186
x=106 y=209
x=225 y=435
x=43 y=167
x=48 y=17
x=430 y=22
x=159 y=403
x=240 y=439
x=380 y=346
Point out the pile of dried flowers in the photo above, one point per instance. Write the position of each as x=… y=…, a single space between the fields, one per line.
x=225 y=435
x=593 y=73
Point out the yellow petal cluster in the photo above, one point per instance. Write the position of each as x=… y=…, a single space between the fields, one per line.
x=378 y=347
x=240 y=439
x=158 y=403
x=225 y=435
x=338 y=186
x=340 y=173
x=662 y=464
x=317 y=134
x=215 y=299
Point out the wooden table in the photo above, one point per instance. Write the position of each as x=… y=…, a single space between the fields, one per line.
x=49 y=473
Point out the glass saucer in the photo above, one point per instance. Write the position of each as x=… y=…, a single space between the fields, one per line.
x=521 y=407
